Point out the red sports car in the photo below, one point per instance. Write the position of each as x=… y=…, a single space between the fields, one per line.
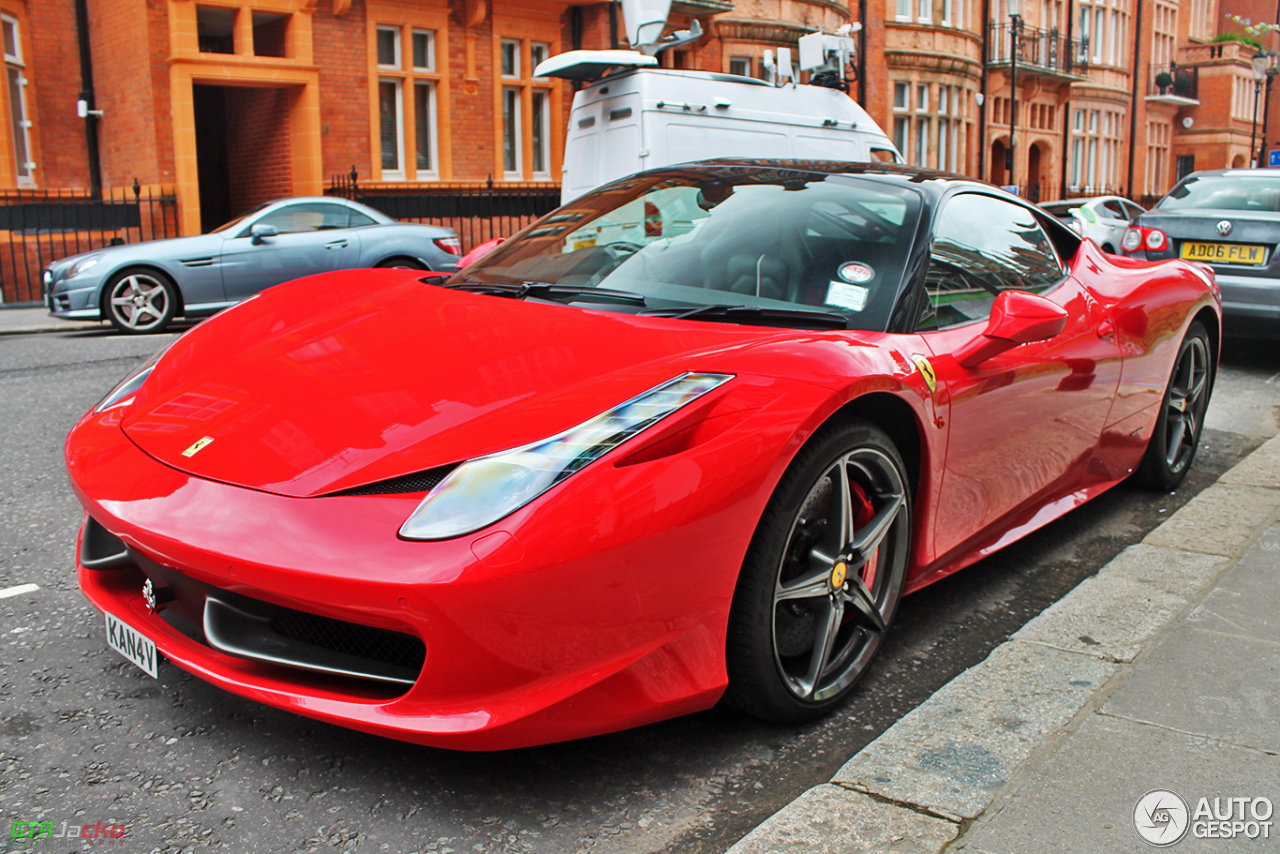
x=689 y=438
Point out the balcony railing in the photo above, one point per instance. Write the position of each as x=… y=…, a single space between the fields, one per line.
x=1044 y=50
x=1182 y=81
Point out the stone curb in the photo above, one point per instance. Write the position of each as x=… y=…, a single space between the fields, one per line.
x=915 y=788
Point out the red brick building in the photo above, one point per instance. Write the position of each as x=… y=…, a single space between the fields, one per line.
x=225 y=103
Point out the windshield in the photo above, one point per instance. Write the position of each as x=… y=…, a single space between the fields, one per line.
x=1224 y=193
x=686 y=238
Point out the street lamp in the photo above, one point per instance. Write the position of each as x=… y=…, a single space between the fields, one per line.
x=1259 y=63
x=1015 y=30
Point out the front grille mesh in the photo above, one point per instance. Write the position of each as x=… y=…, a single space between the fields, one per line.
x=423 y=481
x=383 y=645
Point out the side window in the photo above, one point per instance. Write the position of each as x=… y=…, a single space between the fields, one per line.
x=359 y=220
x=316 y=216
x=1131 y=210
x=982 y=246
x=884 y=155
x=1113 y=209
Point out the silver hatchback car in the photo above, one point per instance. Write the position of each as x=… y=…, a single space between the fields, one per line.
x=142 y=287
x=1102 y=219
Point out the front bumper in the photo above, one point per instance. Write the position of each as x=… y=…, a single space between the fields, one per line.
x=532 y=634
x=81 y=302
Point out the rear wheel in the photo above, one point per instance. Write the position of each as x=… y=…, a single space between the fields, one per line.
x=402 y=264
x=1177 y=436
x=138 y=301
x=822 y=578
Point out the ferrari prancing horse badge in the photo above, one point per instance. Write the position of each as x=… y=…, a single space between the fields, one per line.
x=926 y=371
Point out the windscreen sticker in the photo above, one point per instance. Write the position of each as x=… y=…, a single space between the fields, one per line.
x=856 y=272
x=847 y=296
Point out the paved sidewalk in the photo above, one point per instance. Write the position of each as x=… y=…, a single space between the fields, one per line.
x=1160 y=672
x=18 y=320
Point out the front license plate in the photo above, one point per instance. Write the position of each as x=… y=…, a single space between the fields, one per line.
x=1224 y=253
x=131 y=643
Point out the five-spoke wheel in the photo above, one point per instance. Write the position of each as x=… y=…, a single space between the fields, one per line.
x=823 y=576
x=1181 y=420
x=139 y=301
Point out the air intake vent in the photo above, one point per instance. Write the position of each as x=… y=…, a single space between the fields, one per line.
x=423 y=481
x=197 y=262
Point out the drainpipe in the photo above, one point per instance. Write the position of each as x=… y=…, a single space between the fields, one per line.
x=862 y=52
x=1066 y=108
x=1133 y=110
x=982 y=108
x=1015 y=27
x=613 y=25
x=86 y=95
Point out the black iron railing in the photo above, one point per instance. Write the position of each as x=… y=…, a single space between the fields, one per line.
x=1046 y=50
x=1173 y=79
x=478 y=212
x=39 y=226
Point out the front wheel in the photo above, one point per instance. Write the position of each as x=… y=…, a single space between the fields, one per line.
x=1181 y=421
x=140 y=301
x=823 y=576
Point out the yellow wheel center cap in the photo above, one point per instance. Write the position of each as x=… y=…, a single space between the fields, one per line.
x=838 y=574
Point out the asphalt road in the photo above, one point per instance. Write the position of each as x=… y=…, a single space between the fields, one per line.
x=85 y=737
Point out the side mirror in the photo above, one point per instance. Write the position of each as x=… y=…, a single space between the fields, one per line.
x=261 y=231
x=1017 y=317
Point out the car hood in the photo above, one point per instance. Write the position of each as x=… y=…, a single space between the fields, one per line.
x=345 y=379
x=168 y=249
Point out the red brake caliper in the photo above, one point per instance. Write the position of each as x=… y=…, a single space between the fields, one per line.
x=862 y=515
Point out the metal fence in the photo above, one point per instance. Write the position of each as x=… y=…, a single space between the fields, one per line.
x=1173 y=79
x=1048 y=50
x=40 y=226
x=476 y=211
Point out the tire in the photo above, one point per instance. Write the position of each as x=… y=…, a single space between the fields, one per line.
x=822 y=578
x=401 y=264
x=1173 y=446
x=138 y=301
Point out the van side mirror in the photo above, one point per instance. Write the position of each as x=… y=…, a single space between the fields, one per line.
x=1017 y=317
x=261 y=231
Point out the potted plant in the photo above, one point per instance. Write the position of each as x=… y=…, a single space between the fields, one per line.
x=1182 y=85
x=1163 y=80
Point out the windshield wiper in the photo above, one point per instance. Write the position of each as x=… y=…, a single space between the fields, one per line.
x=547 y=291
x=756 y=314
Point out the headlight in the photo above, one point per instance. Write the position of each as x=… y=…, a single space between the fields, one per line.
x=481 y=491
x=82 y=265
x=125 y=389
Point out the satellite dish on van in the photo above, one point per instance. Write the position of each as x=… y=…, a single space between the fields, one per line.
x=645 y=20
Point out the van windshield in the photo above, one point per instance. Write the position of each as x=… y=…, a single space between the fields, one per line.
x=687 y=238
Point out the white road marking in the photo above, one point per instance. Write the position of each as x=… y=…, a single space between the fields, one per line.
x=19 y=590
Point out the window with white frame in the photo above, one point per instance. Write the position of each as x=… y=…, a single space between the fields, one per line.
x=1158 y=133
x=901 y=118
x=1095 y=149
x=20 y=121
x=902 y=10
x=408 y=112
x=526 y=110
x=924 y=13
x=740 y=65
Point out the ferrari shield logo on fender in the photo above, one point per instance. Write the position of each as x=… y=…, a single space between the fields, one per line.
x=926 y=371
x=197 y=446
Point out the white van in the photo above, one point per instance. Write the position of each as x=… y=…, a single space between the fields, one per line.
x=643 y=118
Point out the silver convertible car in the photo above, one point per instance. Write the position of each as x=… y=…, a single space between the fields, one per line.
x=142 y=287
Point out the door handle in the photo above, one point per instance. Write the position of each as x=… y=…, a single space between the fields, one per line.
x=336 y=244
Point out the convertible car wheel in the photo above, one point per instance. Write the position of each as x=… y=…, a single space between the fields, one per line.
x=1177 y=436
x=140 y=301
x=823 y=576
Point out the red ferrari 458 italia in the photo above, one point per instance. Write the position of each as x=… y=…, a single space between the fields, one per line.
x=689 y=438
